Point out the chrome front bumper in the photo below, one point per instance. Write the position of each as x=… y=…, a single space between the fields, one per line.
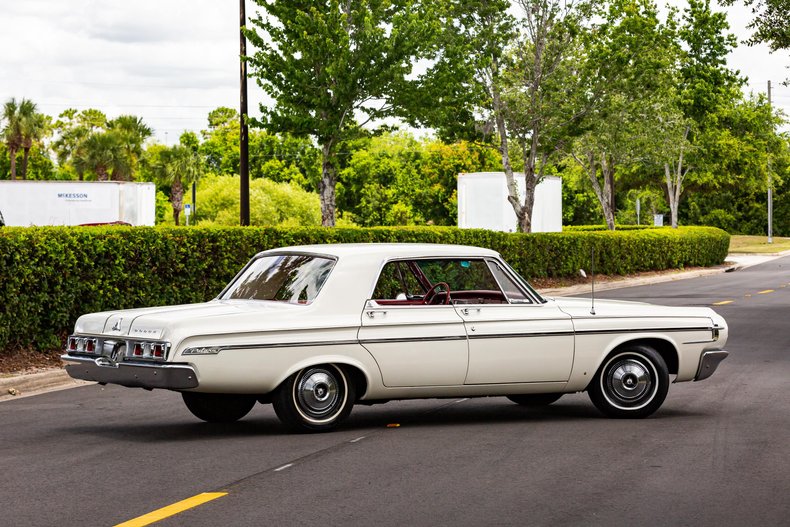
x=133 y=375
x=709 y=362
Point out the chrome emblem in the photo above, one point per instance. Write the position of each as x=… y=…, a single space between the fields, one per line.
x=117 y=325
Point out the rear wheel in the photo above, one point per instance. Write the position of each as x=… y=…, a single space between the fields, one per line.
x=314 y=399
x=218 y=407
x=535 y=399
x=631 y=383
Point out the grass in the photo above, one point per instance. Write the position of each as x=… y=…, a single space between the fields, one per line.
x=758 y=244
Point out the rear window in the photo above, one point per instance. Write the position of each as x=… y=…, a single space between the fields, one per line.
x=292 y=278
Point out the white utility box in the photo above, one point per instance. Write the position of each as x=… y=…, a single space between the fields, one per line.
x=483 y=204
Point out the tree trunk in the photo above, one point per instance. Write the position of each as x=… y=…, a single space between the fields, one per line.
x=606 y=195
x=512 y=189
x=177 y=199
x=12 y=155
x=525 y=222
x=326 y=187
x=102 y=174
x=675 y=183
x=25 y=158
x=607 y=170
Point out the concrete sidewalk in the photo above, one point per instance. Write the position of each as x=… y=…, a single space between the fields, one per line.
x=57 y=379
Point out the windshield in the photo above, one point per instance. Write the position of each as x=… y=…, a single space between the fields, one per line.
x=293 y=278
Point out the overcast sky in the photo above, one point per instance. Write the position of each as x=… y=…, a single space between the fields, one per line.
x=172 y=61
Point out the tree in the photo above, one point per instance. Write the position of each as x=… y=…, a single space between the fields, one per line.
x=177 y=167
x=698 y=89
x=24 y=126
x=131 y=132
x=771 y=22
x=510 y=83
x=101 y=153
x=325 y=63
x=540 y=103
x=632 y=59
x=394 y=179
x=271 y=203
x=72 y=128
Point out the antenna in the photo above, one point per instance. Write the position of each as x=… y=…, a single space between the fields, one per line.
x=592 y=271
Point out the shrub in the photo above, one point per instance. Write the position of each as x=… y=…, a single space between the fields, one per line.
x=51 y=275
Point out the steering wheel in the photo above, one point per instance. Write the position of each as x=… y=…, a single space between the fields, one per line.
x=433 y=292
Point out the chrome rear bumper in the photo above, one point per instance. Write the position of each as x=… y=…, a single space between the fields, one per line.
x=708 y=363
x=133 y=375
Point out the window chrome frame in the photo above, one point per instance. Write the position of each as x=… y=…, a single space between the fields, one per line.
x=519 y=282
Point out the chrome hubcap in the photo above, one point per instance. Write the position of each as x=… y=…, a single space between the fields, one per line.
x=629 y=380
x=317 y=392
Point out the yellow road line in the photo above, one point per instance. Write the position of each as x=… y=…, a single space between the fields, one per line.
x=172 y=510
x=766 y=291
x=723 y=302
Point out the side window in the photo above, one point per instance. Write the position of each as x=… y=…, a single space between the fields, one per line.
x=470 y=281
x=397 y=282
x=511 y=290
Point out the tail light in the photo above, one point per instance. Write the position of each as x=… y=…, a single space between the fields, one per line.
x=118 y=349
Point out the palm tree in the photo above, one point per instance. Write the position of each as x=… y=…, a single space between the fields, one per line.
x=178 y=166
x=132 y=133
x=12 y=132
x=33 y=126
x=24 y=126
x=101 y=153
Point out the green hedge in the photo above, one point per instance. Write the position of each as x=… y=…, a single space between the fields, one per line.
x=51 y=275
x=576 y=228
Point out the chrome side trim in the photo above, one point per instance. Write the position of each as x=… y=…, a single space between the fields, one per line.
x=132 y=374
x=639 y=330
x=413 y=339
x=521 y=335
x=195 y=350
x=217 y=349
x=708 y=363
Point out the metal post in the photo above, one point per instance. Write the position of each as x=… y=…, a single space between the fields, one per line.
x=244 y=152
x=770 y=182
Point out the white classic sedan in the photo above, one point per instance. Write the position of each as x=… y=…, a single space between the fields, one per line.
x=315 y=329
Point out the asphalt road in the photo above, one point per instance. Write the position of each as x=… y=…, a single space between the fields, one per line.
x=717 y=452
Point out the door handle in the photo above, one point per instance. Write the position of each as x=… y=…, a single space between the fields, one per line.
x=372 y=314
x=465 y=311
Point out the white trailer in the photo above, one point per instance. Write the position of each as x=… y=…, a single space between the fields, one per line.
x=483 y=204
x=26 y=203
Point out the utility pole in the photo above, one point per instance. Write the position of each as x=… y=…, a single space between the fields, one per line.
x=244 y=150
x=770 y=183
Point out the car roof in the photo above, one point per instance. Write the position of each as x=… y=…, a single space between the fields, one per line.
x=388 y=250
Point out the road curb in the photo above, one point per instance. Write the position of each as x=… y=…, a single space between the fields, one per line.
x=35 y=383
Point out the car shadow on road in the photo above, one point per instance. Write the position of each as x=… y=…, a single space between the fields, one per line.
x=487 y=415
x=455 y=413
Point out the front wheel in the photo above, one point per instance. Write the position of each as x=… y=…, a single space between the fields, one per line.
x=632 y=383
x=314 y=399
x=218 y=407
